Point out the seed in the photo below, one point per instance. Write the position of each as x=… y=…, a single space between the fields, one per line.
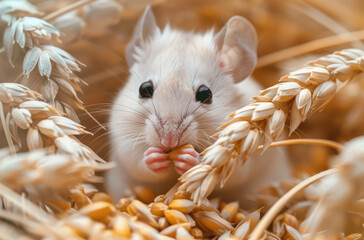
x=79 y=197
x=229 y=211
x=22 y=117
x=174 y=154
x=145 y=230
x=290 y=220
x=171 y=230
x=71 y=231
x=175 y=217
x=238 y=218
x=98 y=210
x=61 y=204
x=222 y=205
x=84 y=226
x=143 y=194
x=182 y=205
x=162 y=223
x=183 y=234
x=139 y=209
x=123 y=204
x=158 y=208
x=102 y=197
x=196 y=233
x=180 y=194
x=212 y=222
x=121 y=227
x=160 y=198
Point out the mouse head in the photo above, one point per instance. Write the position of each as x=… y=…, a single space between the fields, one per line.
x=184 y=81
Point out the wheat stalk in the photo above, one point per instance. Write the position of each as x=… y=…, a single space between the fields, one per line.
x=308 y=47
x=295 y=97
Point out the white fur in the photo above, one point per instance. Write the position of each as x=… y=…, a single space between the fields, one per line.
x=178 y=63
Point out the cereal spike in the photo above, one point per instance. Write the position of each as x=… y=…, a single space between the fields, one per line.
x=297 y=96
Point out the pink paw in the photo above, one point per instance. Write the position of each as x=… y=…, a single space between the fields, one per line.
x=186 y=159
x=156 y=159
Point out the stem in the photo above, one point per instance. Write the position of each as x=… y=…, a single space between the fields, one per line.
x=52 y=16
x=279 y=205
x=328 y=143
x=324 y=20
x=310 y=47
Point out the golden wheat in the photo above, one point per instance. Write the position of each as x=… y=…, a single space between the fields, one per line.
x=58 y=162
x=298 y=95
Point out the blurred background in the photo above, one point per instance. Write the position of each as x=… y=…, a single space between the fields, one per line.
x=290 y=34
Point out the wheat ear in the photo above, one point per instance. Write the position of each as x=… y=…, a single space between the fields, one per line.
x=295 y=97
x=55 y=152
x=45 y=125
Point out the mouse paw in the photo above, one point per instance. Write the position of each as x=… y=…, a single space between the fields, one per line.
x=186 y=159
x=156 y=159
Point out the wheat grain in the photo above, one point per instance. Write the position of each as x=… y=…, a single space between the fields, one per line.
x=158 y=209
x=47 y=127
x=212 y=222
x=230 y=210
x=183 y=234
x=139 y=209
x=175 y=217
x=321 y=78
x=182 y=205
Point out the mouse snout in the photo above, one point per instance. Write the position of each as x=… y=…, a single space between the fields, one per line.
x=169 y=140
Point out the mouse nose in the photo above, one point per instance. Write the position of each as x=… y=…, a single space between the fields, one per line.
x=169 y=141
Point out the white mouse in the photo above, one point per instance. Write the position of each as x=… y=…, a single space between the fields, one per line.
x=181 y=87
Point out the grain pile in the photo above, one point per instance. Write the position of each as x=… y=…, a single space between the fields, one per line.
x=46 y=171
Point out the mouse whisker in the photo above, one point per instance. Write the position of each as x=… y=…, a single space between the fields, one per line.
x=128 y=122
x=206 y=135
x=107 y=133
x=108 y=104
x=137 y=103
x=132 y=112
x=136 y=141
x=136 y=74
x=107 y=144
x=207 y=111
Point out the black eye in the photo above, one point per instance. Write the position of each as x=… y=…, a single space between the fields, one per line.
x=203 y=94
x=146 y=89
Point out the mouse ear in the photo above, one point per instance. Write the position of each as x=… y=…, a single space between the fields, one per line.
x=237 y=43
x=145 y=29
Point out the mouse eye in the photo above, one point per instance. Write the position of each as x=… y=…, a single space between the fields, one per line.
x=203 y=94
x=146 y=89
